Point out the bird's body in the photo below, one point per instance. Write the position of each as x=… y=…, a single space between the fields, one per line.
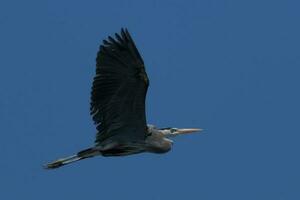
x=118 y=105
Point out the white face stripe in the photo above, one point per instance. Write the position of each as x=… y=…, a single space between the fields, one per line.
x=166 y=132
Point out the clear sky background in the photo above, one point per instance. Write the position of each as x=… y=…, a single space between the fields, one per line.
x=231 y=67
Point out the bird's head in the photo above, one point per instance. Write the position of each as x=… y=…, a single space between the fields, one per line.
x=171 y=132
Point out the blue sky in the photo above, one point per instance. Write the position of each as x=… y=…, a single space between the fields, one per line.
x=228 y=66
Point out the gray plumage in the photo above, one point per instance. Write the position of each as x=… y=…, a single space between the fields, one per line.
x=118 y=105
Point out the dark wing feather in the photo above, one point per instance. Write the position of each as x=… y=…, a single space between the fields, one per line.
x=119 y=91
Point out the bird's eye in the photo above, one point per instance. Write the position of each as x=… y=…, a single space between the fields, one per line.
x=172 y=130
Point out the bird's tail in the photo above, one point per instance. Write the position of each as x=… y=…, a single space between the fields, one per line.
x=90 y=152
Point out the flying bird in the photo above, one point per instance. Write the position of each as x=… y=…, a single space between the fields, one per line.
x=118 y=105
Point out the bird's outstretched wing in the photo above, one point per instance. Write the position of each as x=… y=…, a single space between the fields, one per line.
x=119 y=91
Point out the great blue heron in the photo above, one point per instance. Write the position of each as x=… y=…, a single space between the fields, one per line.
x=118 y=105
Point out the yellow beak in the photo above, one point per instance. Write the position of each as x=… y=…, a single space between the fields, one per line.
x=188 y=130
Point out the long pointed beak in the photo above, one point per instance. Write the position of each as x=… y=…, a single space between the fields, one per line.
x=188 y=130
